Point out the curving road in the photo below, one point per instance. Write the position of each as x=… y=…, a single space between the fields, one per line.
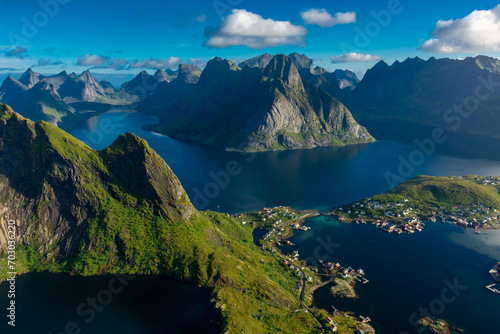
x=302 y=293
x=303 y=290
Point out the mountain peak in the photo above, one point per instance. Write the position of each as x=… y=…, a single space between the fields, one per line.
x=11 y=87
x=282 y=67
x=302 y=62
x=29 y=78
x=138 y=167
x=218 y=69
x=219 y=64
x=161 y=76
x=86 y=76
x=260 y=61
x=188 y=73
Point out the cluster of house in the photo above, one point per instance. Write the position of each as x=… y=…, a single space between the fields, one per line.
x=333 y=325
x=457 y=214
x=346 y=272
x=489 y=180
x=297 y=226
x=389 y=209
x=266 y=214
x=409 y=224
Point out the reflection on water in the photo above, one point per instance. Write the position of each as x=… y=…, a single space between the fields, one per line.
x=487 y=244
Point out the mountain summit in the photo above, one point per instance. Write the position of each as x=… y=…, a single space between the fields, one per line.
x=252 y=109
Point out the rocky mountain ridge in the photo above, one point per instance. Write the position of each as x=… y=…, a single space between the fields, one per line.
x=254 y=109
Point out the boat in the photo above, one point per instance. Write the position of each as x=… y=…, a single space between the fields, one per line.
x=495 y=272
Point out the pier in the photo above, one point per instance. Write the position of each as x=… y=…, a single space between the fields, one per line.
x=492 y=289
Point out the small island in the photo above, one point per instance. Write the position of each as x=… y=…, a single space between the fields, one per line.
x=439 y=326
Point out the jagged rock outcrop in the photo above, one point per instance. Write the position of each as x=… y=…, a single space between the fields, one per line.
x=30 y=78
x=347 y=79
x=54 y=185
x=254 y=109
x=259 y=61
x=188 y=74
x=162 y=76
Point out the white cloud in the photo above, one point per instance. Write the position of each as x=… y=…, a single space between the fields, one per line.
x=91 y=60
x=172 y=62
x=322 y=18
x=477 y=32
x=249 y=29
x=354 y=58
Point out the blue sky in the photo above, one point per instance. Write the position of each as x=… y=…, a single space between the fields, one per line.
x=123 y=37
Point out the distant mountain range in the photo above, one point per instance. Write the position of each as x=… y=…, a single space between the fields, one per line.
x=461 y=96
x=60 y=98
x=266 y=104
x=281 y=102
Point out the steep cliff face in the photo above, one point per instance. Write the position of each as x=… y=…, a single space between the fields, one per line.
x=255 y=109
x=53 y=184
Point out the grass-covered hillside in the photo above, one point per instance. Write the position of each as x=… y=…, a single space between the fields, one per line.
x=470 y=199
x=122 y=210
x=446 y=191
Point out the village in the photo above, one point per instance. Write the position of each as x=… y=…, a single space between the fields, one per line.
x=279 y=223
x=403 y=216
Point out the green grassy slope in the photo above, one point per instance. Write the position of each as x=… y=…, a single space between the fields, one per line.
x=122 y=210
x=446 y=191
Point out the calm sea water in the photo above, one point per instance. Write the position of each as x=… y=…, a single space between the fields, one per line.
x=409 y=272
x=320 y=178
x=46 y=303
x=406 y=272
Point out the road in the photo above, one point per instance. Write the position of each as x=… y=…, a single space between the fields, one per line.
x=304 y=280
x=302 y=293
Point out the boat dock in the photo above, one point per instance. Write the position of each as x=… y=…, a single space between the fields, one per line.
x=492 y=289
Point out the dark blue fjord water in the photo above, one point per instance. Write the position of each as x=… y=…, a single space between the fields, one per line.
x=320 y=178
x=406 y=272
x=409 y=272
x=59 y=303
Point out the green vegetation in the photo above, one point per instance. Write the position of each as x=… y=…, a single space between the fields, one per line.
x=251 y=110
x=470 y=201
x=447 y=191
x=122 y=210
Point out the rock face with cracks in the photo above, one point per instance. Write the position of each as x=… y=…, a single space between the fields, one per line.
x=255 y=109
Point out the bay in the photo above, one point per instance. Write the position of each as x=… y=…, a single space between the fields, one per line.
x=441 y=271
x=319 y=178
x=49 y=303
